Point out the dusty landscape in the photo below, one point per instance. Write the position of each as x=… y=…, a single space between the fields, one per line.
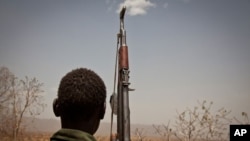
x=42 y=130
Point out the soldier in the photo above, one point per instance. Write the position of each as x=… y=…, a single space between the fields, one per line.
x=80 y=105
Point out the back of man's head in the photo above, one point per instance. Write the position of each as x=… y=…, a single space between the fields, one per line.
x=81 y=92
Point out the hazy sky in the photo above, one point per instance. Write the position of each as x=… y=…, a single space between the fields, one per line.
x=180 y=51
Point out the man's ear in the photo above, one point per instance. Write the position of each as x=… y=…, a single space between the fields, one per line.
x=102 y=111
x=56 y=108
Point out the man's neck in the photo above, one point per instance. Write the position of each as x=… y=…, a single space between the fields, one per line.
x=86 y=126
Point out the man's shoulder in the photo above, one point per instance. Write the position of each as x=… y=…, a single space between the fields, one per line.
x=72 y=135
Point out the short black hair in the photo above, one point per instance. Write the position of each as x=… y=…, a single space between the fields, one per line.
x=80 y=92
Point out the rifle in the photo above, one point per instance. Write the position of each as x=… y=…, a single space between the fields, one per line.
x=120 y=102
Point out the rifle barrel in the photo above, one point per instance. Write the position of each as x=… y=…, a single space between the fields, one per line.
x=122 y=13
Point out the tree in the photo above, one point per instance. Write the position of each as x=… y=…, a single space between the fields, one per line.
x=198 y=123
x=187 y=125
x=140 y=134
x=216 y=124
x=23 y=98
x=164 y=131
x=6 y=81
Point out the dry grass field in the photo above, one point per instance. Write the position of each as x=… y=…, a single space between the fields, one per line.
x=46 y=137
x=30 y=137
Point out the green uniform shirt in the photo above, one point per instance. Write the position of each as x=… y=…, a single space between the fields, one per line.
x=72 y=135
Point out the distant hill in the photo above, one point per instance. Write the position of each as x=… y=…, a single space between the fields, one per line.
x=52 y=125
